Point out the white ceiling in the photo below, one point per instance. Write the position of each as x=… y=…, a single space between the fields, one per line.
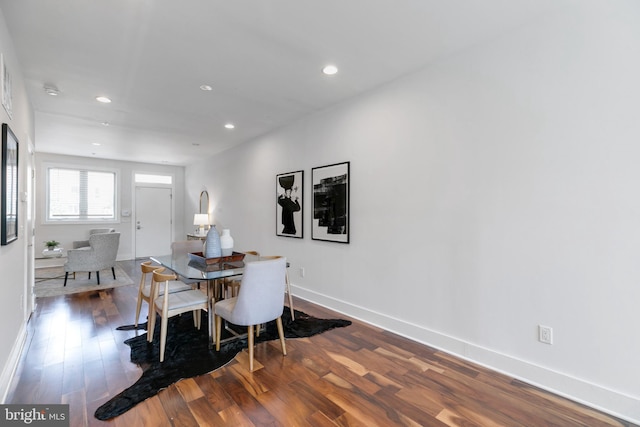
x=262 y=58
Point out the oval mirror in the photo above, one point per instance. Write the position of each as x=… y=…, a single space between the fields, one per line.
x=204 y=202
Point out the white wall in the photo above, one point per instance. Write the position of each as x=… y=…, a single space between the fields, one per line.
x=13 y=256
x=492 y=192
x=67 y=233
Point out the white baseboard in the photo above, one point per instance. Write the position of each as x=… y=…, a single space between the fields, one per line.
x=10 y=367
x=609 y=401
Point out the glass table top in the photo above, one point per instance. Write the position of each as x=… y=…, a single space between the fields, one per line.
x=184 y=266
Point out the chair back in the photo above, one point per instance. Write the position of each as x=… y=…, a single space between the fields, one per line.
x=260 y=297
x=105 y=248
x=160 y=276
x=146 y=267
x=186 y=246
x=101 y=230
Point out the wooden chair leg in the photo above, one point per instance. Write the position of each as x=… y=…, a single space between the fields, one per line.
x=250 y=339
x=197 y=319
x=293 y=317
x=163 y=336
x=151 y=325
x=138 y=308
x=281 y=334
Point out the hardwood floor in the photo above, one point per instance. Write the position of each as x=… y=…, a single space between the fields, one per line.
x=354 y=376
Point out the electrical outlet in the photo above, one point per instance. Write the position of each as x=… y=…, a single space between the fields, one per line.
x=301 y=271
x=545 y=334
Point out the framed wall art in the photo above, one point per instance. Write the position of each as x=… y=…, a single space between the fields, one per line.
x=9 y=212
x=330 y=203
x=289 y=203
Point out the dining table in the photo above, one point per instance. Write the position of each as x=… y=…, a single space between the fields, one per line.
x=183 y=264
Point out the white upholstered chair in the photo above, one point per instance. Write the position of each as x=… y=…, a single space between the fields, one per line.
x=259 y=301
x=99 y=255
x=84 y=243
x=171 y=304
x=230 y=287
x=144 y=289
x=287 y=285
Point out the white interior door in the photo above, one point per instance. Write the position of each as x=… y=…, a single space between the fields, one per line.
x=30 y=299
x=153 y=221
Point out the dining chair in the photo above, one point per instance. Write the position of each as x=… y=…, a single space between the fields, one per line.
x=144 y=289
x=233 y=285
x=172 y=304
x=288 y=285
x=259 y=301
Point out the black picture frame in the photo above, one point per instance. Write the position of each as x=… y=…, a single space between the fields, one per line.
x=9 y=194
x=290 y=204
x=331 y=194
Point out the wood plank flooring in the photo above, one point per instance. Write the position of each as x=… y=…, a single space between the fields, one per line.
x=354 y=376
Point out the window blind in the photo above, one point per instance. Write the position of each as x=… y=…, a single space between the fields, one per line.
x=78 y=194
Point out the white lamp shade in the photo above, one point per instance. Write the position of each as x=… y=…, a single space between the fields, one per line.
x=201 y=219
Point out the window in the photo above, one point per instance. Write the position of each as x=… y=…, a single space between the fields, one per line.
x=80 y=195
x=142 y=178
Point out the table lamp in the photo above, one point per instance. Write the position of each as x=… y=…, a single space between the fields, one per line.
x=201 y=220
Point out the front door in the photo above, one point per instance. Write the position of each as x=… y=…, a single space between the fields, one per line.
x=153 y=221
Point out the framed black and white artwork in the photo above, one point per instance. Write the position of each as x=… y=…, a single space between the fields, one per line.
x=289 y=203
x=330 y=219
x=9 y=225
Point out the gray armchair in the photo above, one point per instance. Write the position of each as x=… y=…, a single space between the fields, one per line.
x=85 y=243
x=99 y=255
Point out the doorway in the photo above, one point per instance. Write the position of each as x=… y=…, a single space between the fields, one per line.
x=153 y=221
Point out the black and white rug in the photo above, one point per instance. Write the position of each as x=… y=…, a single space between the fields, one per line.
x=188 y=355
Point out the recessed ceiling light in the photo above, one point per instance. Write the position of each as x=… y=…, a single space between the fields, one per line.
x=51 y=90
x=330 y=70
x=230 y=126
x=206 y=87
x=103 y=99
x=96 y=144
x=105 y=123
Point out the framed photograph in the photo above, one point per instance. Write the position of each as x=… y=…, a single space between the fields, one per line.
x=7 y=96
x=289 y=202
x=330 y=203
x=9 y=186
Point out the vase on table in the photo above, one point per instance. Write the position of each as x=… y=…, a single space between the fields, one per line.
x=226 y=242
x=212 y=244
